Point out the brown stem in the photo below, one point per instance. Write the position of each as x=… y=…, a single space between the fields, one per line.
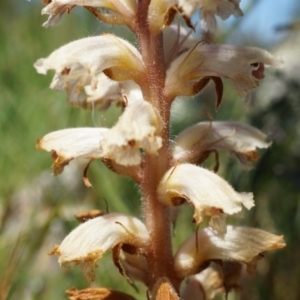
x=156 y=215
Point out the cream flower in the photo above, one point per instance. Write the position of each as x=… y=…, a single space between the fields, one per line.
x=71 y=143
x=118 y=146
x=210 y=9
x=57 y=8
x=207 y=192
x=193 y=143
x=108 y=91
x=244 y=66
x=138 y=128
x=90 y=240
x=238 y=243
x=78 y=64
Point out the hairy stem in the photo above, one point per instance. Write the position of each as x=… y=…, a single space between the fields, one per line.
x=156 y=215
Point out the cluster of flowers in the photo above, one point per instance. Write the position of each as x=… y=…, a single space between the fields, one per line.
x=168 y=62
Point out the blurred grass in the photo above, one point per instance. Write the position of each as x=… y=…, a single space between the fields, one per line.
x=30 y=220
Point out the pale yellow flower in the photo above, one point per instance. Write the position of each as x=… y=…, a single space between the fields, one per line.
x=244 y=66
x=79 y=63
x=90 y=240
x=238 y=243
x=194 y=143
x=125 y=9
x=207 y=192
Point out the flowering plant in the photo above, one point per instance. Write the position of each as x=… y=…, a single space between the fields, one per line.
x=167 y=63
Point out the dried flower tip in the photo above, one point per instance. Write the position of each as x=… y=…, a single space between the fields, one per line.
x=79 y=63
x=207 y=192
x=84 y=216
x=192 y=144
x=238 y=243
x=90 y=240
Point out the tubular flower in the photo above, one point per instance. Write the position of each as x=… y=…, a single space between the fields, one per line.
x=192 y=144
x=244 y=66
x=71 y=143
x=125 y=9
x=78 y=63
x=207 y=192
x=238 y=243
x=210 y=9
x=119 y=145
x=90 y=240
x=122 y=143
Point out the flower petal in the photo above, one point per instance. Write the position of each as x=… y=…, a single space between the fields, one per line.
x=122 y=143
x=239 y=64
x=204 y=285
x=241 y=139
x=57 y=8
x=136 y=267
x=90 y=240
x=206 y=191
x=78 y=63
x=71 y=143
x=238 y=243
x=107 y=91
x=158 y=14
